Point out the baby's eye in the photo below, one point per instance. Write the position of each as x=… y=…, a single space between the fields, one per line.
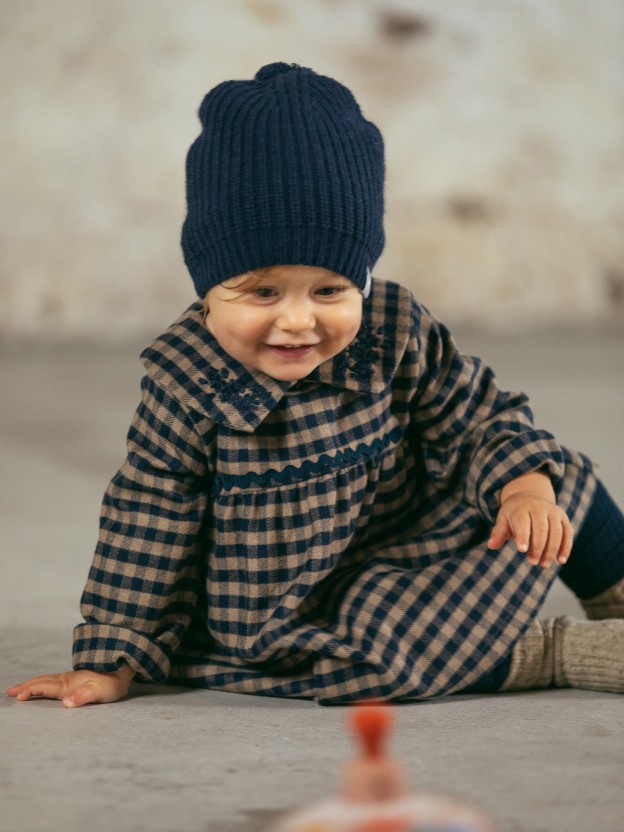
x=264 y=292
x=330 y=291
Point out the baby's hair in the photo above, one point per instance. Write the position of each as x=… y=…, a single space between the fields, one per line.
x=248 y=281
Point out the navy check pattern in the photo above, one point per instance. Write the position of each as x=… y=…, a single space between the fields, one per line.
x=325 y=538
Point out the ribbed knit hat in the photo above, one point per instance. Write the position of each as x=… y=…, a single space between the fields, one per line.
x=285 y=171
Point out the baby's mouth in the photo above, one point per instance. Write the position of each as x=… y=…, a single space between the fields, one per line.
x=291 y=350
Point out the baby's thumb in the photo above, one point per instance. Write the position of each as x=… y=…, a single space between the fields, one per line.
x=81 y=696
x=501 y=533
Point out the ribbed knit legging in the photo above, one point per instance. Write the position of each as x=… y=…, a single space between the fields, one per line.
x=595 y=564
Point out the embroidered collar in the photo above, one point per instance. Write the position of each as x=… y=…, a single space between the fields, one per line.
x=191 y=365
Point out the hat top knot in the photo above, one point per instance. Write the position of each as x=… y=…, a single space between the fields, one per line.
x=269 y=71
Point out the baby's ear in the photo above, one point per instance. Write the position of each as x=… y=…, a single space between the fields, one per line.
x=206 y=309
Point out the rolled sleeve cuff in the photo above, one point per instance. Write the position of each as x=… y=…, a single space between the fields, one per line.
x=514 y=456
x=102 y=647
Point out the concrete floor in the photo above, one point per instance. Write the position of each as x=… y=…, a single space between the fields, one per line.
x=169 y=759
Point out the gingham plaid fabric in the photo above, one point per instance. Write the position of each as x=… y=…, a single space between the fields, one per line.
x=324 y=538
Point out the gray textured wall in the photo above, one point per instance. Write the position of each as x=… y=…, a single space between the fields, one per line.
x=504 y=123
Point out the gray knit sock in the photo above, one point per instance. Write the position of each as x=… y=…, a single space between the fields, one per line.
x=609 y=604
x=569 y=653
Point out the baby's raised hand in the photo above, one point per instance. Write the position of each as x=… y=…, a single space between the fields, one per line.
x=537 y=524
x=76 y=687
x=529 y=514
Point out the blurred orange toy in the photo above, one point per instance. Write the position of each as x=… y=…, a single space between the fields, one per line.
x=375 y=797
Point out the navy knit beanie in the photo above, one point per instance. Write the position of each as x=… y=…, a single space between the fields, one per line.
x=285 y=171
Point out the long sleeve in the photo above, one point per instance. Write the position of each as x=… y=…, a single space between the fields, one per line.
x=475 y=437
x=146 y=572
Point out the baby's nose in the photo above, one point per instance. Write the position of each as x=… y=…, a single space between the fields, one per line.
x=296 y=317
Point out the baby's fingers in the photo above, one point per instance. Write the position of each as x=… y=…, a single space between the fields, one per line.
x=552 y=545
x=64 y=686
x=50 y=687
x=567 y=540
x=559 y=542
x=501 y=532
x=538 y=545
x=76 y=687
x=521 y=530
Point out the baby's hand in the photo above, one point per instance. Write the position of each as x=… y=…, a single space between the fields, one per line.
x=538 y=526
x=76 y=687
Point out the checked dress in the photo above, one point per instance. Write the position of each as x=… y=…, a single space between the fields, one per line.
x=324 y=538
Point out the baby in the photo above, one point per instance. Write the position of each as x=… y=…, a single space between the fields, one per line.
x=322 y=497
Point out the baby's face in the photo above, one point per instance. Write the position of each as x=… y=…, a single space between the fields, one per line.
x=286 y=321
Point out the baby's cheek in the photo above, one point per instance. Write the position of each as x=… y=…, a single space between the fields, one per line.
x=351 y=324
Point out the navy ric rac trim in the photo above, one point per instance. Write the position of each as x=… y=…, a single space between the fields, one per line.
x=324 y=464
